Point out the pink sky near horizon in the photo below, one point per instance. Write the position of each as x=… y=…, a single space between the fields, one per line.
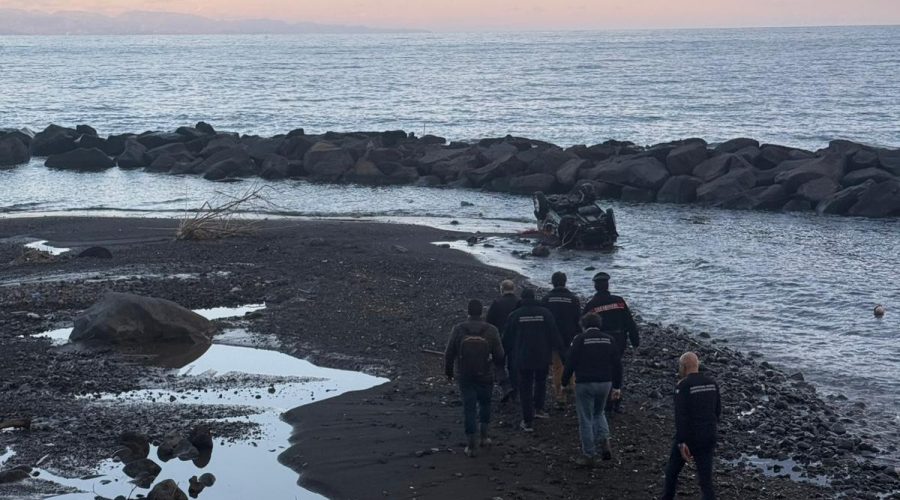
x=512 y=14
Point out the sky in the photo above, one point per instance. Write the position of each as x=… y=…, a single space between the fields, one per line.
x=450 y=15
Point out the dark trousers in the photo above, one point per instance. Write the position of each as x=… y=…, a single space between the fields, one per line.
x=703 y=458
x=532 y=392
x=510 y=383
x=476 y=399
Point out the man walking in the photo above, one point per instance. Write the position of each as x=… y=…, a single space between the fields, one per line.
x=497 y=315
x=473 y=347
x=566 y=310
x=532 y=337
x=697 y=411
x=595 y=359
x=616 y=318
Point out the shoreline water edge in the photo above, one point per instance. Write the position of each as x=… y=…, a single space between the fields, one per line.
x=845 y=178
x=400 y=439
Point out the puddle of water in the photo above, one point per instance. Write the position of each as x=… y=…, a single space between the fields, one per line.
x=269 y=382
x=102 y=277
x=42 y=246
x=783 y=468
x=9 y=453
x=228 y=312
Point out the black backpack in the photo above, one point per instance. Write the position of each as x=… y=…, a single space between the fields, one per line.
x=474 y=355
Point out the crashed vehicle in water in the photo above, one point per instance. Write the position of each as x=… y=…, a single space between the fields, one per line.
x=576 y=220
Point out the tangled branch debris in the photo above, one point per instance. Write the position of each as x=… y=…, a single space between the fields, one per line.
x=224 y=217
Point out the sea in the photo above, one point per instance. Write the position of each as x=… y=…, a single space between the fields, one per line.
x=797 y=288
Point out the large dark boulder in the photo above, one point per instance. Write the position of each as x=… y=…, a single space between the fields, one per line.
x=567 y=174
x=274 y=167
x=92 y=141
x=134 y=155
x=735 y=145
x=499 y=151
x=682 y=160
x=727 y=186
x=233 y=162
x=366 y=172
x=817 y=190
x=890 y=160
x=115 y=144
x=759 y=198
x=54 y=140
x=218 y=144
x=839 y=203
x=718 y=166
x=206 y=128
x=506 y=166
x=85 y=160
x=261 y=147
x=86 y=130
x=679 y=189
x=152 y=140
x=451 y=169
x=860 y=176
x=878 y=200
x=772 y=155
x=645 y=173
x=432 y=155
x=191 y=133
x=24 y=135
x=177 y=150
x=327 y=162
x=798 y=172
x=529 y=184
x=862 y=159
x=13 y=151
x=124 y=318
x=547 y=161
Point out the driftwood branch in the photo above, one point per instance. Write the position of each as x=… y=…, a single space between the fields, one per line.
x=222 y=218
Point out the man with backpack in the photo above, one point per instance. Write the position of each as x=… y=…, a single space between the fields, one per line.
x=566 y=310
x=473 y=348
x=531 y=336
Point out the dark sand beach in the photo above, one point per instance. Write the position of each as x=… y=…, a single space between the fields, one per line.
x=375 y=298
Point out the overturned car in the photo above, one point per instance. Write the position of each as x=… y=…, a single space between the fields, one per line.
x=575 y=220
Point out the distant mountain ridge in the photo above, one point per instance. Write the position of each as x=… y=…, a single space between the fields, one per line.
x=23 y=22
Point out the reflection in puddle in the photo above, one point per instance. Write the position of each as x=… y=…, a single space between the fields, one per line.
x=42 y=246
x=268 y=382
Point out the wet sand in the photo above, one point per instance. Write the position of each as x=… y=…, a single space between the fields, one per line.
x=352 y=295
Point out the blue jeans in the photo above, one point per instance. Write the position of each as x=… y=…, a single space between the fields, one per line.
x=476 y=398
x=590 y=402
x=703 y=459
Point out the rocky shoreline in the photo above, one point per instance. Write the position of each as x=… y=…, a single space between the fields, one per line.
x=844 y=178
x=376 y=298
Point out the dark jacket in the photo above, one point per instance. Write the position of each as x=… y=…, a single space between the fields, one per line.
x=697 y=411
x=473 y=326
x=500 y=310
x=566 y=309
x=531 y=336
x=594 y=357
x=617 y=318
